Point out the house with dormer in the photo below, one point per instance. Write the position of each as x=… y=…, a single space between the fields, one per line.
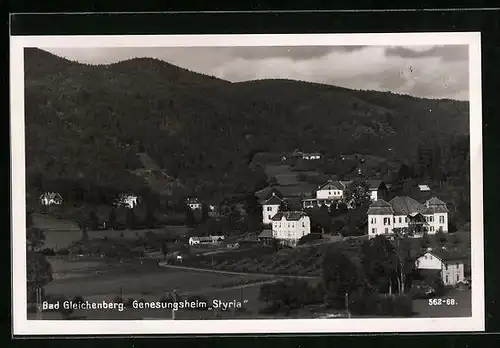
x=407 y=215
x=327 y=194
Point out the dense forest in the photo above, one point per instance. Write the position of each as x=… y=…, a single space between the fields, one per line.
x=85 y=125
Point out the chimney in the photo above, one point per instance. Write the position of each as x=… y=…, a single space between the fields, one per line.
x=274 y=193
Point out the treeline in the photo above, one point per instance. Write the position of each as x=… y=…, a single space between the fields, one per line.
x=88 y=122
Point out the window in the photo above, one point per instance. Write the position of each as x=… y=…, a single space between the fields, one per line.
x=432 y=228
x=269 y=216
x=446 y=279
x=458 y=277
x=373 y=220
x=431 y=218
x=400 y=220
x=269 y=208
x=406 y=218
x=386 y=230
x=303 y=224
x=446 y=267
x=387 y=221
x=441 y=219
x=374 y=230
x=394 y=220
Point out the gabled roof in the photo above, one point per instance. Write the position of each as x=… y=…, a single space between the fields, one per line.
x=446 y=255
x=273 y=200
x=332 y=185
x=404 y=205
x=311 y=154
x=289 y=215
x=434 y=201
x=267 y=233
x=373 y=185
x=380 y=207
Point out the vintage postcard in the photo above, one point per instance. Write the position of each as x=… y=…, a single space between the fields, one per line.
x=242 y=184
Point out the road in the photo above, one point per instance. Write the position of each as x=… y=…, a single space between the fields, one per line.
x=164 y=264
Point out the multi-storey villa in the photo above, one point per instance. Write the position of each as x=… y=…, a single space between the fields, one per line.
x=270 y=208
x=404 y=213
x=288 y=227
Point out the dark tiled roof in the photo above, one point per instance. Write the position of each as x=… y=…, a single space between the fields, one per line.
x=289 y=215
x=380 y=207
x=404 y=205
x=296 y=190
x=332 y=185
x=267 y=233
x=373 y=184
x=435 y=201
x=447 y=255
x=273 y=200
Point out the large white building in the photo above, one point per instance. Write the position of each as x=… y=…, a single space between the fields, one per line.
x=270 y=208
x=326 y=194
x=448 y=264
x=404 y=212
x=288 y=227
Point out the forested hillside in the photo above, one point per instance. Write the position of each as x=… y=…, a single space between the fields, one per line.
x=85 y=124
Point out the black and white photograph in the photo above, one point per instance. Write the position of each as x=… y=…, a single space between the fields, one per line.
x=247 y=183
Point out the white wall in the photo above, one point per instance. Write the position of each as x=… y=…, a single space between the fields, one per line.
x=329 y=194
x=268 y=211
x=377 y=222
x=429 y=261
x=291 y=231
x=374 y=195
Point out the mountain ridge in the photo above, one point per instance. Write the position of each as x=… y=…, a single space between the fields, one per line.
x=88 y=122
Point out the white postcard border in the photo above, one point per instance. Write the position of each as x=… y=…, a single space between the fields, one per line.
x=22 y=326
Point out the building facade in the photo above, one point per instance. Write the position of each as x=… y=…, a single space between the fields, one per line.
x=270 y=207
x=193 y=203
x=289 y=227
x=449 y=265
x=51 y=198
x=406 y=214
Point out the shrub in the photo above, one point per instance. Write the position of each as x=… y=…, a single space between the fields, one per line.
x=311 y=237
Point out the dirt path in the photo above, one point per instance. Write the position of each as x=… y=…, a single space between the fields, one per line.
x=163 y=264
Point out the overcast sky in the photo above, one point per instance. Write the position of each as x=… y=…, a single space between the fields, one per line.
x=430 y=71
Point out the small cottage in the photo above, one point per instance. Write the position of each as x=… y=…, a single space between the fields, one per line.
x=448 y=264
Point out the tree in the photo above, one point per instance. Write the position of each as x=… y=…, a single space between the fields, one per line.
x=357 y=194
x=190 y=219
x=441 y=237
x=131 y=219
x=340 y=277
x=150 y=217
x=283 y=207
x=85 y=235
x=164 y=250
x=112 y=218
x=425 y=241
x=38 y=272
x=35 y=237
x=379 y=263
x=204 y=213
x=92 y=221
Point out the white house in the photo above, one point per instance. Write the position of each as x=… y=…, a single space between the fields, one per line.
x=205 y=240
x=270 y=208
x=288 y=227
x=424 y=188
x=327 y=194
x=127 y=200
x=51 y=198
x=449 y=264
x=193 y=203
x=404 y=212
